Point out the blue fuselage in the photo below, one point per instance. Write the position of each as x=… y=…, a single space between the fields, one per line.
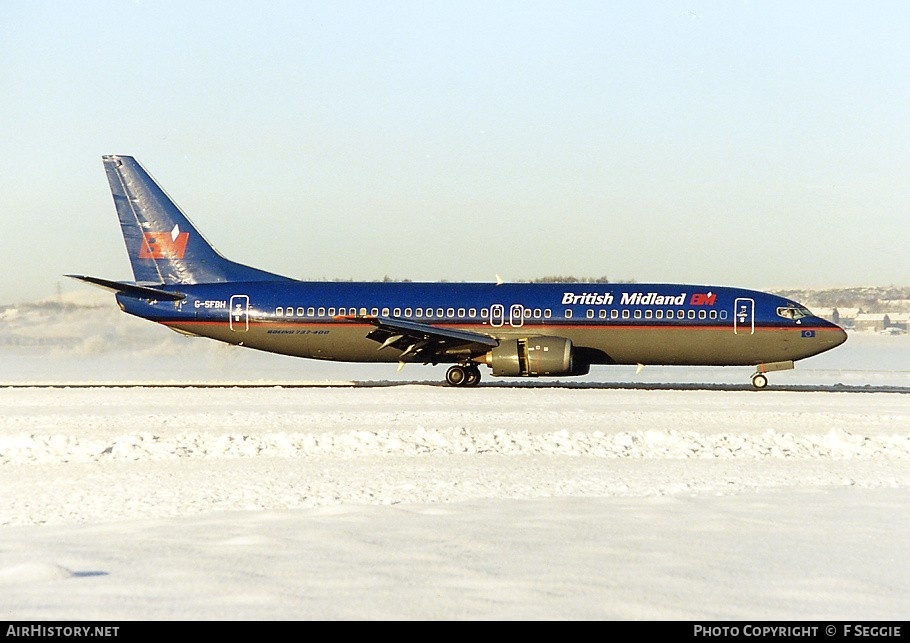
x=607 y=323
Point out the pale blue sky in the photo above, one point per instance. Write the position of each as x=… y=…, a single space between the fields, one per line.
x=762 y=144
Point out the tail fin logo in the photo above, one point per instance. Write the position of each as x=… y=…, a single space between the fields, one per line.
x=164 y=245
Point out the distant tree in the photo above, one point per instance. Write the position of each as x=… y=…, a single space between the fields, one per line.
x=868 y=299
x=563 y=279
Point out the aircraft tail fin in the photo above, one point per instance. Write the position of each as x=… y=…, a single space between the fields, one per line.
x=163 y=245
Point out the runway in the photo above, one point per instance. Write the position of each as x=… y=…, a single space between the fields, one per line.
x=94 y=452
x=299 y=489
x=606 y=386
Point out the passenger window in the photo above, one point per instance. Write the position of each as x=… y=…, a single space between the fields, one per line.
x=680 y=314
x=590 y=314
x=547 y=313
x=279 y=312
x=363 y=312
x=614 y=314
x=568 y=313
x=450 y=312
x=625 y=314
x=461 y=313
x=637 y=314
x=408 y=312
x=659 y=314
x=311 y=312
x=385 y=312
x=484 y=313
x=537 y=313
x=321 y=311
x=713 y=314
x=702 y=314
x=418 y=312
x=472 y=312
x=648 y=313
x=439 y=313
x=691 y=314
x=331 y=312
x=397 y=312
x=374 y=312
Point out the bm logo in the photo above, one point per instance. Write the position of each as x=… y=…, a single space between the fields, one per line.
x=703 y=299
x=164 y=245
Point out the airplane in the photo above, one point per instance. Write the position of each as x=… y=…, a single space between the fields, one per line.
x=514 y=329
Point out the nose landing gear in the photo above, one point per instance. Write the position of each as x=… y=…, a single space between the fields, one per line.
x=760 y=380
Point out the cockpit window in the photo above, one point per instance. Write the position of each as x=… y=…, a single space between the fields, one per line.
x=793 y=312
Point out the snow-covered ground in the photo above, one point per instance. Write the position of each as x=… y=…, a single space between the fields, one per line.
x=665 y=494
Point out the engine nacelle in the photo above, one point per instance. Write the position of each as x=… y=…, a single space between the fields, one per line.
x=534 y=357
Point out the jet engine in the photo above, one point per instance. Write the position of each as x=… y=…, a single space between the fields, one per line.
x=534 y=357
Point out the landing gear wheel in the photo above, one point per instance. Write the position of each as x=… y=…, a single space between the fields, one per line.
x=463 y=375
x=456 y=375
x=759 y=381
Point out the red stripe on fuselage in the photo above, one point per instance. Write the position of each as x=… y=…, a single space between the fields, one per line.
x=487 y=328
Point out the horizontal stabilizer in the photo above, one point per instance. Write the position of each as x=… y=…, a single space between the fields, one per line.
x=144 y=292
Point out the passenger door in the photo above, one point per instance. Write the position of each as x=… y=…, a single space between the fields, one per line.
x=744 y=316
x=240 y=313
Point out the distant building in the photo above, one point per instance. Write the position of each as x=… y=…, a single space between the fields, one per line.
x=875 y=322
x=900 y=320
x=831 y=314
x=846 y=316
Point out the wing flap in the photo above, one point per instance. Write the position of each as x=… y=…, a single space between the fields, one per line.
x=424 y=342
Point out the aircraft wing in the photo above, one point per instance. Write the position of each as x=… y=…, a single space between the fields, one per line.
x=425 y=342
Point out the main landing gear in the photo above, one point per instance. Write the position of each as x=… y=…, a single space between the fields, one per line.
x=463 y=375
x=759 y=380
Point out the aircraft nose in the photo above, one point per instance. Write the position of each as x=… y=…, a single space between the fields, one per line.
x=841 y=336
x=834 y=334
